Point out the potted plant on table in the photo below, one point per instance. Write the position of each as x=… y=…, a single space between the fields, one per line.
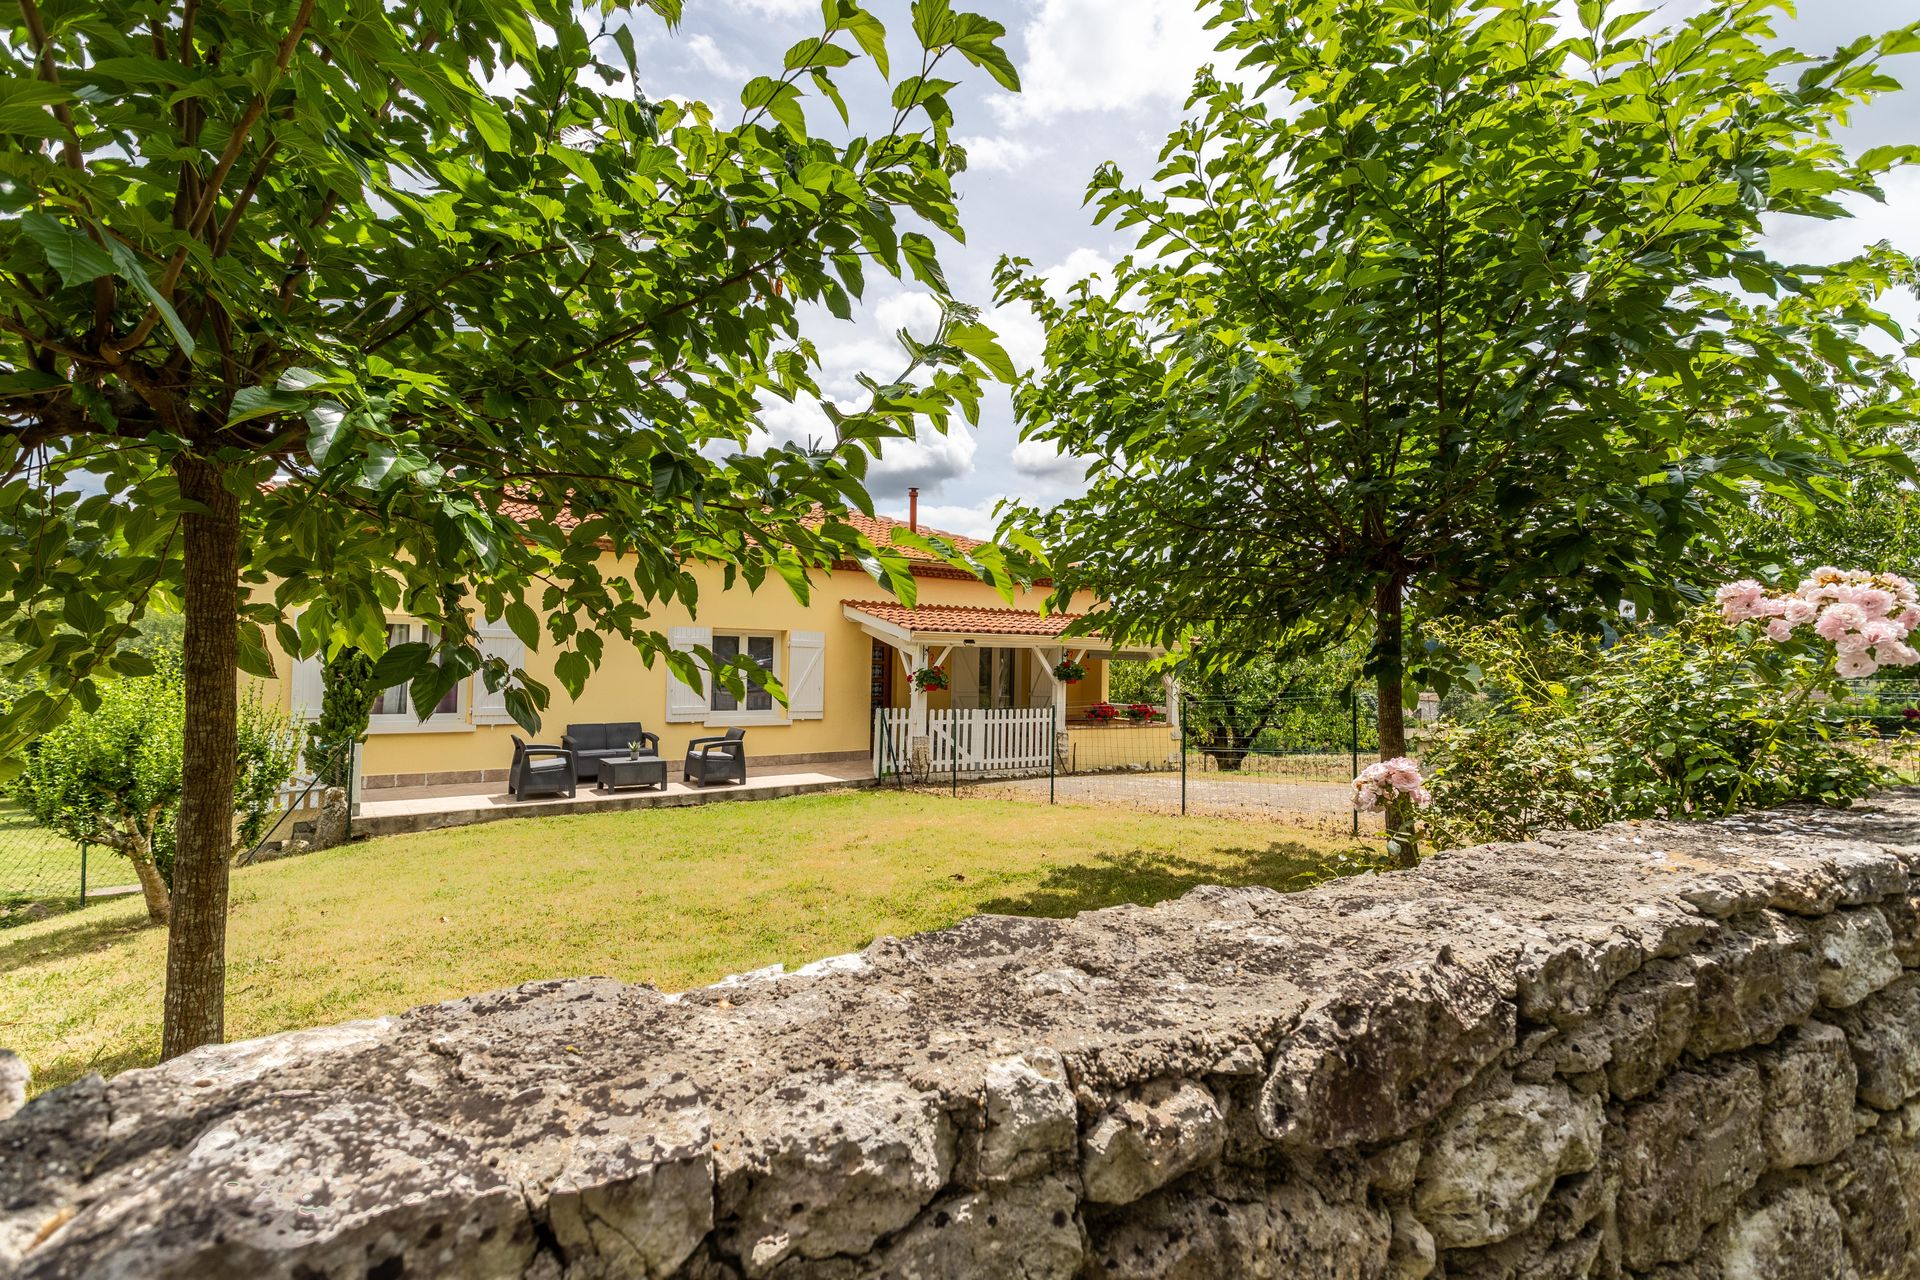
x=930 y=678
x=1067 y=671
x=633 y=750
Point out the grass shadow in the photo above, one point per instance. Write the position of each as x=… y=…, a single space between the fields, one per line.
x=77 y=934
x=1144 y=878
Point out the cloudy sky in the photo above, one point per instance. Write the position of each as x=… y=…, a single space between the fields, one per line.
x=1103 y=80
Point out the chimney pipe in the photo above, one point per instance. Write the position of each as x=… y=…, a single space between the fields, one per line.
x=913 y=509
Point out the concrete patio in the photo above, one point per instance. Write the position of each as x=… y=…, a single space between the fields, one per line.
x=393 y=810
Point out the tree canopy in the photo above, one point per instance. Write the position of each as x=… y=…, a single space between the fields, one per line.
x=1442 y=306
x=316 y=311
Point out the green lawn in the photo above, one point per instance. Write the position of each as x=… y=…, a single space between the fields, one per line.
x=676 y=897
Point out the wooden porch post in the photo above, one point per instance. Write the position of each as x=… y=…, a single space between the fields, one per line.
x=1172 y=687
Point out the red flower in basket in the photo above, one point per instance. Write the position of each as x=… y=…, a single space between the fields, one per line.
x=1102 y=712
x=1067 y=671
x=930 y=678
x=1141 y=712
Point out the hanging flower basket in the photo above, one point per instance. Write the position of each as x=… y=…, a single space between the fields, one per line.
x=930 y=678
x=1067 y=671
x=1103 y=713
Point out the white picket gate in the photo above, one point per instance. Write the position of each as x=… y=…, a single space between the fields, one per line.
x=984 y=740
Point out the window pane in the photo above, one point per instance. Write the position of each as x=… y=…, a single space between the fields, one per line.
x=984 y=660
x=1007 y=658
x=760 y=649
x=393 y=702
x=725 y=649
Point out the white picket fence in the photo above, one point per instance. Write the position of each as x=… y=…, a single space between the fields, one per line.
x=984 y=740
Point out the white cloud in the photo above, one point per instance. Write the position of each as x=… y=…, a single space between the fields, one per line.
x=1106 y=55
x=710 y=57
x=975 y=520
x=1039 y=460
x=917 y=313
x=925 y=463
x=998 y=154
x=775 y=8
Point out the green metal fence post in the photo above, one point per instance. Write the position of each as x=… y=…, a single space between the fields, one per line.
x=1353 y=743
x=1183 y=755
x=83 y=873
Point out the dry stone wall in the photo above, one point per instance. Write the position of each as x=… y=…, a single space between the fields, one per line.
x=1690 y=1053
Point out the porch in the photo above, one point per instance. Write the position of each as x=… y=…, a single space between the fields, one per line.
x=1006 y=707
x=403 y=809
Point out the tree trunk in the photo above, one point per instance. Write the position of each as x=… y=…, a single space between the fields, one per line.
x=197 y=938
x=1389 y=681
x=159 y=905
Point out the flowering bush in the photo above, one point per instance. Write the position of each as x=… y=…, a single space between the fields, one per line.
x=1102 y=712
x=1377 y=781
x=1142 y=712
x=1866 y=617
x=930 y=678
x=1688 y=720
x=1067 y=671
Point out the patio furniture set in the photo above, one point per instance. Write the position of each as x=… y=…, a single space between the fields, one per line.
x=617 y=756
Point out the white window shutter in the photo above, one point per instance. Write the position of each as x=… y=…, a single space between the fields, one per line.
x=807 y=683
x=308 y=688
x=684 y=702
x=496 y=641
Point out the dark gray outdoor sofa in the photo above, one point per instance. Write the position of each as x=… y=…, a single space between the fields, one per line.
x=720 y=759
x=540 y=770
x=592 y=743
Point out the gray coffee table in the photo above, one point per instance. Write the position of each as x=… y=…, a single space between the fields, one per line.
x=620 y=773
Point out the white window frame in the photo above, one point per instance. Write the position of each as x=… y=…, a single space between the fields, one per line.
x=457 y=720
x=996 y=662
x=775 y=714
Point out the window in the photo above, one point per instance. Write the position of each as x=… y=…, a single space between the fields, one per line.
x=727 y=647
x=396 y=701
x=996 y=677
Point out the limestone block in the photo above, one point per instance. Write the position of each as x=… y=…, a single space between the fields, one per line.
x=1026 y=1231
x=1490 y=1163
x=829 y=1164
x=1855 y=953
x=1030 y=1116
x=348 y=1186
x=1883 y=1033
x=1684 y=1156
x=1290 y=1230
x=1790 y=1233
x=1875 y=1188
x=1809 y=1078
x=1371 y=1066
x=1148 y=1139
x=1754 y=979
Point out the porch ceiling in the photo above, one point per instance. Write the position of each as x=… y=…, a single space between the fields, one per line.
x=931 y=624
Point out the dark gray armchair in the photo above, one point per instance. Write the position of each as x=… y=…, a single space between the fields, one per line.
x=540 y=770
x=721 y=759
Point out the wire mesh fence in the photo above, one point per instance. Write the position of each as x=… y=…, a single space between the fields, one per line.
x=1290 y=760
x=1884 y=715
x=43 y=871
x=46 y=869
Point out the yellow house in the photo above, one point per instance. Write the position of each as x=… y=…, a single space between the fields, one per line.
x=845 y=659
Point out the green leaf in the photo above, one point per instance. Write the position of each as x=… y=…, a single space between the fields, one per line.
x=128 y=266
x=68 y=252
x=979 y=342
x=259 y=402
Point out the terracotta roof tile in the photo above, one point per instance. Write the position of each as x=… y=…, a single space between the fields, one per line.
x=878 y=529
x=967 y=619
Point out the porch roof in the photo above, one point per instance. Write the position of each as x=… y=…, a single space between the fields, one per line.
x=955 y=623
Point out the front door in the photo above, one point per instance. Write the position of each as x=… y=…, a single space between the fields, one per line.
x=997 y=667
x=880 y=685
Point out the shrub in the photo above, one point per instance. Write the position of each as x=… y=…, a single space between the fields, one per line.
x=1690 y=720
x=112 y=776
